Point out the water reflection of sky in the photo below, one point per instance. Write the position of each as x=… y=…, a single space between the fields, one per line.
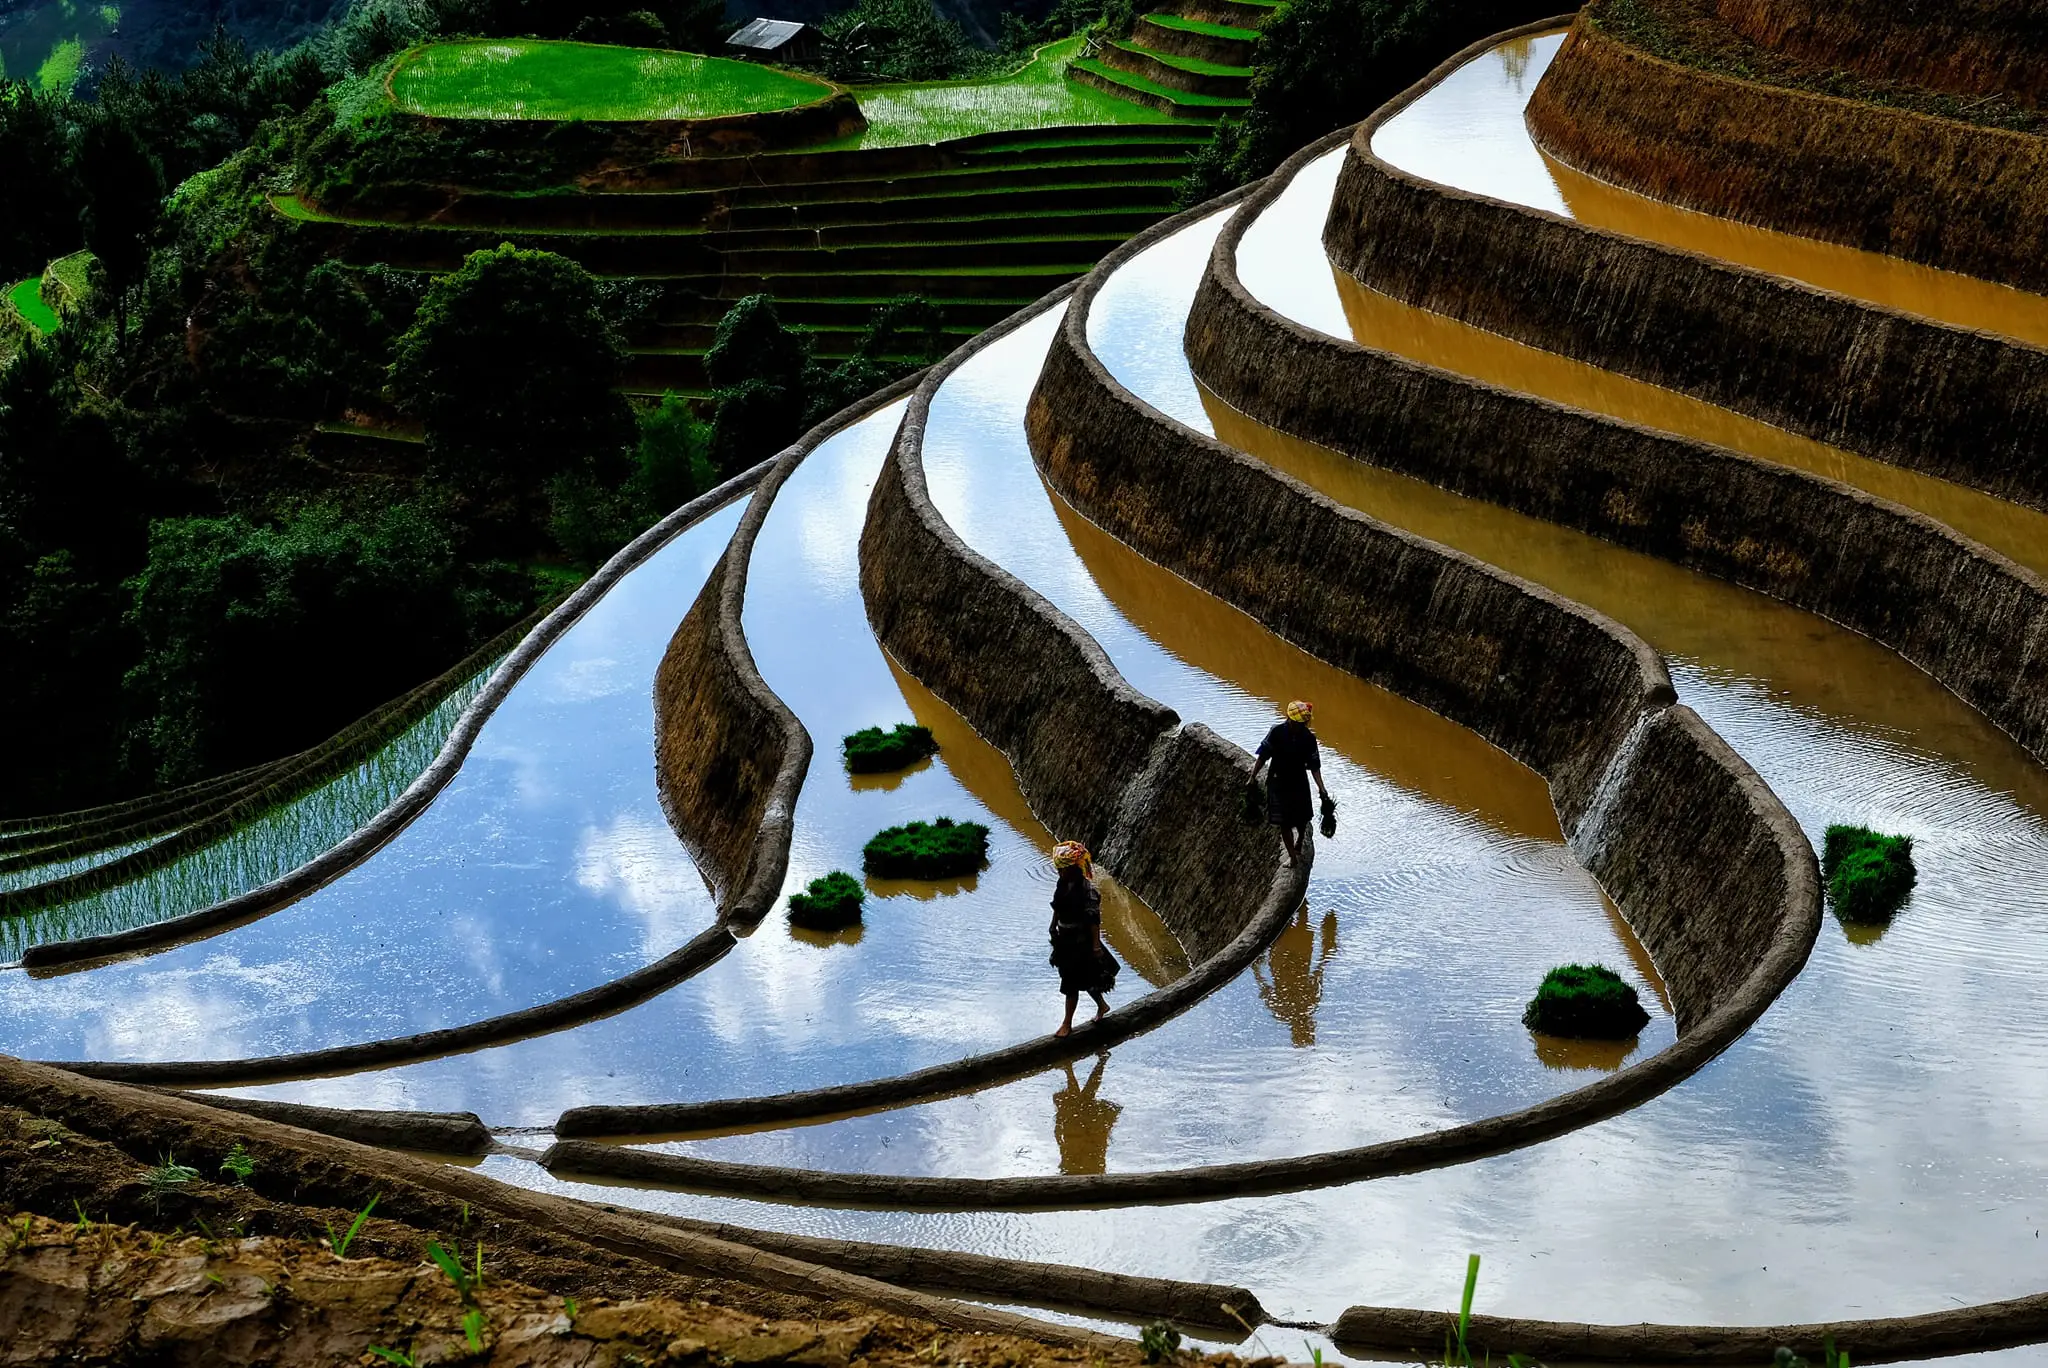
x=544 y=868
x=1874 y=1147
x=933 y=973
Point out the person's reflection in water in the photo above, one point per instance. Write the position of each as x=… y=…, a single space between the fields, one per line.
x=1292 y=985
x=1081 y=1121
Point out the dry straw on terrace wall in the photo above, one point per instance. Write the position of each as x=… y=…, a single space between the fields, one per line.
x=1966 y=47
x=1965 y=406
x=1948 y=194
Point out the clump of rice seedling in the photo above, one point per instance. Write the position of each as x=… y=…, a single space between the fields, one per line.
x=167 y=1180
x=1161 y=1341
x=1869 y=876
x=1585 y=1002
x=874 y=751
x=938 y=849
x=832 y=901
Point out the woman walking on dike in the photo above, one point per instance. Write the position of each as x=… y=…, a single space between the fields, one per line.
x=1084 y=962
x=1291 y=748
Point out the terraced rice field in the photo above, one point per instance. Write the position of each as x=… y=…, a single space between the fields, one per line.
x=523 y=78
x=1037 y=95
x=980 y=225
x=1869 y=1142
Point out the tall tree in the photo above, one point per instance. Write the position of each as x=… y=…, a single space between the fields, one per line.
x=41 y=219
x=513 y=367
x=124 y=193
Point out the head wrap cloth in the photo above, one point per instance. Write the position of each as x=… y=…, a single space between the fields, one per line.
x=1069 y=853
x=1300 y=710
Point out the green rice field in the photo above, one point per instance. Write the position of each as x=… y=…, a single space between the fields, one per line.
x=1036 y=95
x=268 y=848
x=525 y=78
x=26 y=297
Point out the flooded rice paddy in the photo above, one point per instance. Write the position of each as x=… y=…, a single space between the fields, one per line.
x=1876 y=1145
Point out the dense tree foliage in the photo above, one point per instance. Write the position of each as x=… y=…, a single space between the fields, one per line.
x=1321 y=64
x=898 y=40
x=241 y=624
x=194 y=575
x=513 y=367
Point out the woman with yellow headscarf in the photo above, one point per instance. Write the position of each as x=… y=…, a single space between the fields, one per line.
x=1084 y=962
x=1290 y=747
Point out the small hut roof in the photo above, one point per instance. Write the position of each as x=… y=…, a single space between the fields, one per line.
x=765 y=35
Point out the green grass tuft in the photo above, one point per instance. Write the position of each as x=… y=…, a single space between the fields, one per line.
x=874 y=751
x=939 y=849
x=1869 y=876
x=831 y=902
x=1585 y=1002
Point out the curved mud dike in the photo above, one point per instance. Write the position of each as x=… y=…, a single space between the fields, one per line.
x=1965 y=614
x=1961 y=1330
x=1970 y=47
x=1095 y=759
x=1958 y=196
x=765 y=845
x=729 y=756
x=1644 y=785
x=1711 y=871
x=1950 y=402
x=303 y=1167
x=385 y=825
x=219 y=812
x=1210 y=1305
x=432 y=1132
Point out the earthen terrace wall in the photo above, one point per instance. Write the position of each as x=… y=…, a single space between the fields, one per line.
x=1712 y=871
x=1096 y=759
x=1968 y=47
x=1962 y=405
x=1968 y=616
x=1955 y=195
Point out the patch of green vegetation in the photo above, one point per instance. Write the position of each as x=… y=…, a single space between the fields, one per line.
x=939 y=849
x=831 y=902
x=1175 y=21
x=524 y=78
x=167 y=1179
x=1161 y=1341
x=72 y=276
x=874 y=751
x=1869 y=875
x=1585 y=1002
x=1193 y=65
x=1186 y=99
x=59 y=71
x=26 y=297
x=1035 y=95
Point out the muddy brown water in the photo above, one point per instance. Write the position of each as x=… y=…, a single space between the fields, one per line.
x=1468 y=132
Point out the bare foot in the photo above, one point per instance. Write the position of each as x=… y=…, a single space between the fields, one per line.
x=1101 y=1012
x=1064 y=1031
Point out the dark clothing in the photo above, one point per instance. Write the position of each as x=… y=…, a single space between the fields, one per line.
x=1076 y=917
x=1291 y=754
